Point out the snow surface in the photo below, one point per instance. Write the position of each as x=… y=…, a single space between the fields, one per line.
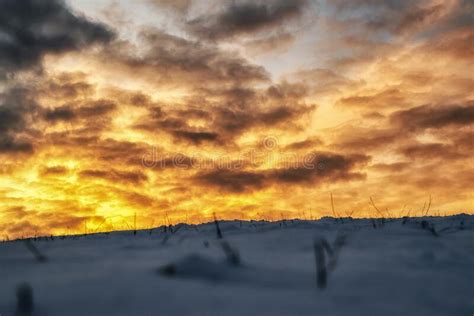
x=399 y=268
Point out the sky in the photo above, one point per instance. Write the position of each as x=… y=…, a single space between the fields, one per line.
x=167 y=111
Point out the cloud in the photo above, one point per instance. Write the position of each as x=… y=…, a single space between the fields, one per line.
x=323 y=80
x=246 y=17
x=12 y=145
x=433 y=151
x=426 y=116
x=17 y=110
x=109 y=150
x=388 y=98
x=54 y=171
x=10 y=119
x=226 y=114
x=231 y=180
x=395 y=17
x=196 y=137
x=134 y=177
x=304 y=145
x=66 y=86
x=94 y=109
x=356 y=138
x=279 y=42
x=321 y=167
x=170 y=60
x=316 y=169
x=399 y=131
x=234 y=122
x=31 y=29
x=363 y=32
x=454 y=42
x=420 y=16
x=181 y=6
x=391 y=167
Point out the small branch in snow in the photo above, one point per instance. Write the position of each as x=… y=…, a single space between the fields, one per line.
x=36 y=253
x=24 y=296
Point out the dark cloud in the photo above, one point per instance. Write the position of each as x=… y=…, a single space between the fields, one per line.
x=131 y=177
x=32 y=28
x=275 y=116
x=196 y=137
x=433 y=151
x=17 y=110
x=362 y=139
x=64 y=113
x=417 y=17
x=172 y=60
x=426 y=116
x=448 y=126
x=369 y=4
x=366 y=31
x=177 y=161
x=96 y=108
x=15 y=105
x=246 y=17
x=70 y=113
x=455 y=43
x=54 y=171
x=175 y=125
x=395 y=17
x=388 y=98
x=315 y=169
x=12 y=145
x=321 y=167
x=233 y=181
x=137 y=199
x=234 y=122
x=70 y=90
x=10 y=119
x=106 y=150
x=111 y=150
x=66 y=86
x=226 y=114
x=28 y=30
x=374 y=116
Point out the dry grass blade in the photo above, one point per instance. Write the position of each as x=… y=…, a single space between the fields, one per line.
x=429 y=205
x=336 y=216
x=218 y=229
x=376 y=208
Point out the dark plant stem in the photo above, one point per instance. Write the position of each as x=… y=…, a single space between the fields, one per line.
x=24 y=295
x=218 y=229
x=36 y=253
x=321 y=272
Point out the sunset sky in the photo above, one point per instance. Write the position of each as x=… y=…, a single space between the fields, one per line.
x=177 y=109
